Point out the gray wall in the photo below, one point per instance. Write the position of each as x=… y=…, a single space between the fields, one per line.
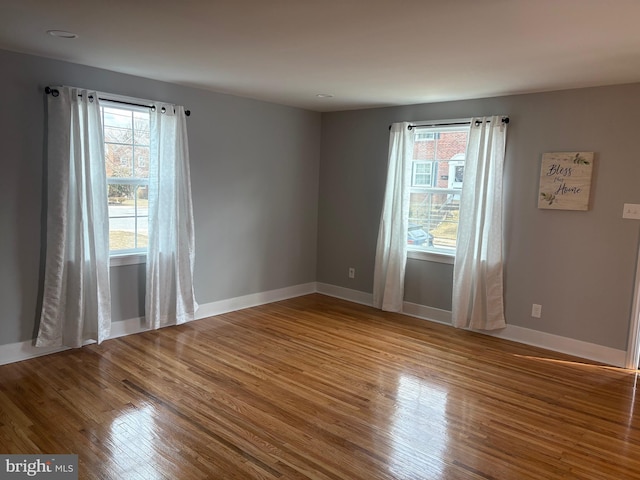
x=254 y=169
x=578 y=265
x=268 y=190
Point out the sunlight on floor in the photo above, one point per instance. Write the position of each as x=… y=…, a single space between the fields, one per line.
x=630 y=376
x=589 y=366
x=134 y=439
x=418 y=399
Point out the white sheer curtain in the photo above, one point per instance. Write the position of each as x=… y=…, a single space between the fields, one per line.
x=391 y=250
x=169 y=297
x=76 y=296
x=477 y=275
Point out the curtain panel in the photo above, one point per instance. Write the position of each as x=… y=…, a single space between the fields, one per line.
x=391 y=249
x=478 y=292
x=169 y=297
x=76 y=291
x=76 y=294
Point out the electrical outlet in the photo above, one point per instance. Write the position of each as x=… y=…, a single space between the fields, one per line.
x=631 y=210
x=536 y=310
x=352 y=272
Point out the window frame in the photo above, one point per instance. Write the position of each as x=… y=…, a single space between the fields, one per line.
x=130 y=256
x=414 y=173
x=435 y=254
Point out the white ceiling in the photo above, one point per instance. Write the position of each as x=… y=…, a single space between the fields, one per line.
x=367 y=53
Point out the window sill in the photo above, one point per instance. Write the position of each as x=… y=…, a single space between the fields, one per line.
x=431 y=256
x=127 y=259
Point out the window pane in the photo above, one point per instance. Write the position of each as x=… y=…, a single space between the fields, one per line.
x=119 y=195
x=117 y=125
x=141 y=128
x=127 y=167
x=422 y=136
x=424 y=148
x=128 y=218
x=117 y=134
x=438 y=164
x=141 y=165
x=121 y=233
x=458 y=173
x=422 y=176
x=423 y=168
x=118 y=160
x=450 y=145
x=436 y=214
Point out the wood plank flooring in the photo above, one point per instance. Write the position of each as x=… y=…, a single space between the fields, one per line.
x=319 y=388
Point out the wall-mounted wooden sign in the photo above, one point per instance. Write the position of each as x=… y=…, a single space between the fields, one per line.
x=565 y=180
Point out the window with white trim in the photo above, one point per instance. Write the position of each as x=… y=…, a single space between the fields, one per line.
x=126 y=149
x=422 y=173
x=422 y=136
x=437 y=173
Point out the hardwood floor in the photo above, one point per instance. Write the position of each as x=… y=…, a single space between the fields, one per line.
x=319 y=388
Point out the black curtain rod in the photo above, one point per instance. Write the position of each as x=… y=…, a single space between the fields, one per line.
x=452 y=124
x=55 y=93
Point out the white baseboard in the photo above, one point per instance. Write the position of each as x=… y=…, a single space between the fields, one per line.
x=427 y=313
x=16 y=352
x=556 y=343
x=127 y=327
x=253 y=300
x=354 y=296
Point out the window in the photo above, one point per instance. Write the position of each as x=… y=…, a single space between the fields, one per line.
x=422 y=174
x=126 y=148
x=423 y=136
x=437 y=172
